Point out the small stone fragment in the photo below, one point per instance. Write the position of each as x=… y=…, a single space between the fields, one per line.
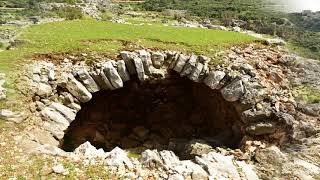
x=59 y=169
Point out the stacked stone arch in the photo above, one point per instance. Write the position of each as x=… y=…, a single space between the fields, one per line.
x=69 y=85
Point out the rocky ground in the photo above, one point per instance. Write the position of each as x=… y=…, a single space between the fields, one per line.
x=258 y=75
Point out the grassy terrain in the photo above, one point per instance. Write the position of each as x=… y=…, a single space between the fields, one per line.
x=307 y=94
x=91 y=35
x=303 y=52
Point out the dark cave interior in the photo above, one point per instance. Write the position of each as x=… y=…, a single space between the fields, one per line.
x=155 y=114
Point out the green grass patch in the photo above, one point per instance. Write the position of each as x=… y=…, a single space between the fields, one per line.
x=70 y=36
x=135 y=155
x=303 y=52
x=307 y=94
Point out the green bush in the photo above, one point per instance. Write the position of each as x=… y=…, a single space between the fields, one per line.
x=106 y=16
x=69 y=13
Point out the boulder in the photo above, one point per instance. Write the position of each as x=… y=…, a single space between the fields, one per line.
x=50 y=114
x=8 y=115
x=112 y=75
x=233 y=91
x=213 y=79
x=95 y=74
x=174 y=60
x=181 y=62
x=44 y=90
x=157 y=59
x=196 y=148
x=271 y=155
x=250 y=115
x=59 y=169
x=118 y=158
x=190 y=65
x=169 y=159
x=261 y=128
x=218 y=166
x=89 y=152
x=83 y=76
x=128 y=59
x=122 y=70
x=151 y=159
x=57 y=130
x=236 y=29
x=194 y=75
x=247 y=170
x=189 y=168
x=77 y=89
x=146 y=60
x=68 y=113
x=139 y=68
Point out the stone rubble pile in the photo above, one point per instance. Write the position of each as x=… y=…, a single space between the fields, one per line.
x=164 y=164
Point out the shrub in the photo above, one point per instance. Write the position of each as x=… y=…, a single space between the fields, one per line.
x=70 y=13
x=106 y=16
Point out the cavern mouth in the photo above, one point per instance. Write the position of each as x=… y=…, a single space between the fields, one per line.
x=155 y=114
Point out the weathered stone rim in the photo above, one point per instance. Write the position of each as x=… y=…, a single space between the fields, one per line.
x=79 y=81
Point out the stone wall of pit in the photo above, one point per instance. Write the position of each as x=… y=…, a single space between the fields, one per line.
x=262 y=100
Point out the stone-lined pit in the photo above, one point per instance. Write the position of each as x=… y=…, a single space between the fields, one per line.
x=160 y=100
x=155 y=114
